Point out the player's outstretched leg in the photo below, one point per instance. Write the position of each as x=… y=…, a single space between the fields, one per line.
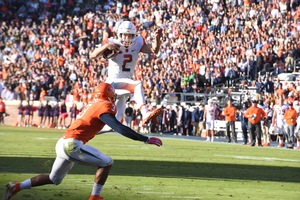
x=11 y=190
x=96 y=197
x=150 y=114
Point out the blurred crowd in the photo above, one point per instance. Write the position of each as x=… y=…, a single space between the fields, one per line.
x=45 y=47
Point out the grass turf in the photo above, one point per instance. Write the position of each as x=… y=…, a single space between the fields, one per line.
x=181 y=169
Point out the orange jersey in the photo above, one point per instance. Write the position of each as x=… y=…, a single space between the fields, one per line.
x=88 y=123
x=290 y=116
x=259 y=112
x=230 y=113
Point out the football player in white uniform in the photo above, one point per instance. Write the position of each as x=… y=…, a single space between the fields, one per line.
x=210 y=117
x=278 y=120
x=122 y=55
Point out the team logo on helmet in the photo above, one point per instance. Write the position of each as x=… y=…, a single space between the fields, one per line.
x=104 y=91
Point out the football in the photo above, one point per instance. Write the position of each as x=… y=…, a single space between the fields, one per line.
x=108 y=54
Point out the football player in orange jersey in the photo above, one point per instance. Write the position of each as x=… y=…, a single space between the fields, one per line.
x=71 y=147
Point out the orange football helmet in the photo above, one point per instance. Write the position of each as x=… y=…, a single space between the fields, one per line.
x=104 y=91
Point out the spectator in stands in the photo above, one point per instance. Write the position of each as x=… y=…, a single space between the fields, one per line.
x=255 y=115
x=280 y=92
x=230 y=118
x=260 y=86
x=270 y=87
x=7 y=93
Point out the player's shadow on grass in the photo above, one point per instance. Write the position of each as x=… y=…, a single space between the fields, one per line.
x=162 y=169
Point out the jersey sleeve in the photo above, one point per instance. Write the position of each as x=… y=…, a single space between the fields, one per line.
x=104 y=107
x=111 y=40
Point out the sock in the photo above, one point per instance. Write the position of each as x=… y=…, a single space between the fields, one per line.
x=25 y=184
x=96 y=189
x=280 y=140
x=298 y=143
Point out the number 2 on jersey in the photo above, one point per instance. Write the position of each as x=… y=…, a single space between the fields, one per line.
x=127 y=59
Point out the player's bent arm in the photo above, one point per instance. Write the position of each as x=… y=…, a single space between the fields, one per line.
x=111 y=121
x=98 y=52
x=155 y=47
x=148 y=48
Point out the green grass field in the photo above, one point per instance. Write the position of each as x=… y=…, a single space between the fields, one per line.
x=181 y=169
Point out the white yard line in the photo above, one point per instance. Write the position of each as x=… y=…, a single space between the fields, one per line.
x=258 y=158
x=43 y=138
x=180 y=197
x=156 y=192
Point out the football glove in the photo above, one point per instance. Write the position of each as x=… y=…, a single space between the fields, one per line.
x=154 y=140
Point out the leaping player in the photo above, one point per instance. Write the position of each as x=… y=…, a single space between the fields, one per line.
x=121 y=66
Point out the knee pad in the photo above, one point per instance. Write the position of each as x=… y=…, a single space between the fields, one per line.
x=107 y=161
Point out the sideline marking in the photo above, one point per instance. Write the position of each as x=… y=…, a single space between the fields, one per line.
x=156 y=192
x=43 y=138
x=180 y=197
x=259 y=158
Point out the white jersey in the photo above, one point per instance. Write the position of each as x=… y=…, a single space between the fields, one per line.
x=123 y=65
x=280 y=110
x=210 y=112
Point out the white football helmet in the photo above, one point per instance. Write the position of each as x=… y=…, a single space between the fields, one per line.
x=126 y=28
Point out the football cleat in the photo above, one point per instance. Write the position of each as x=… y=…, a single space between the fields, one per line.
x=150 y=115
x=266 y=144
x=11 y=190
x=96 y=197
x=280 y=145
